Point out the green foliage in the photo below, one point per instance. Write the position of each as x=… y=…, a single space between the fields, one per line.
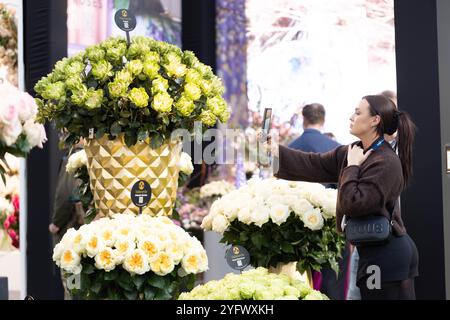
x=119 y=284
x=291 y=241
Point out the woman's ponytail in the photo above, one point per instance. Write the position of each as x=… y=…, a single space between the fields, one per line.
x=405 y=139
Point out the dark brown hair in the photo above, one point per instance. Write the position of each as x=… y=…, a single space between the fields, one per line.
x=314 y=113
x=392 y=120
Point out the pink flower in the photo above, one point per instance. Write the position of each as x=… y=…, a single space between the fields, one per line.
x=12 y=234
x=15 y=202
x=6 y=224
x=10 y=132
x=12 y=219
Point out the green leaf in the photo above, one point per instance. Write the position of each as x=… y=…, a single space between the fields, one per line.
x=142 y=134
x=111 y=275
x=131 y=295
x=90 y=215
x=163 y=294
x=149 y=293
x=156 y=141
x=125 y=114
x=138 y=281
x=96 y=287
x=125 y=282
x=156 y=281
x=287 y=248
x=88 y=268
x=257 y=240
x=115 y=129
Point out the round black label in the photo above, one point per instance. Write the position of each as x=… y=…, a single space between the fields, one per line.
x=125 y=20
x=141 y=193
x=237 y=257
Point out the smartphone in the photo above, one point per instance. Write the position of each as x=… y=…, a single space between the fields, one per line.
x=267 y=121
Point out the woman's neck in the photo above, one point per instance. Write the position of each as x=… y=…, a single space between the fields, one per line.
x=368 y=140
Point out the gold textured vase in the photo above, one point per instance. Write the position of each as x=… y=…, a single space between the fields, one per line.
x=114 y=168
x=290 y=269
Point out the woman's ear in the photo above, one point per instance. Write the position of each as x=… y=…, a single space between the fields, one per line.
x=376 y=121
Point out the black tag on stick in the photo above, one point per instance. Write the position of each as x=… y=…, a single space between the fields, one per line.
x=141 y=193
x=126 y=21
x=237 y=257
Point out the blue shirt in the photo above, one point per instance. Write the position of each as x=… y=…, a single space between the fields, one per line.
x=313 y=140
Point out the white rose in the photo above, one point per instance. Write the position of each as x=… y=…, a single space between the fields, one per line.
x=6 y=206
x=194 y=261
x=108 y=236
x=329 y=208
x=220 y=223
x=301 y=206
x=162 y=264
x=105 y=259
x=27 y=107
x=35 y=133
x=57 y=253
x=151 y=246
x=76 y=161
x=185 y=163
x=207 y=222
x=136 y=262
x=230 y=210
x=279 y=213
x=70 y=261
x=313 y=219
x=176 y=251
x=10 y=133
x=93 y=244
x=260 y=215
x=123 y=246
x=245 y=214
x=9 y=112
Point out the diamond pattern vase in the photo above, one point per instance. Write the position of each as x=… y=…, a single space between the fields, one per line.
x=114 y=168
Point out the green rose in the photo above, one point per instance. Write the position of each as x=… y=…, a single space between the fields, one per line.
x=204 y=70
x=162 y=102
x=117 y=89
x=55 y=90
x=102 y=70
x=192 y=76
x=217 y=87
x=189 y=58
x=74 y=82
x=94 y=98
x=138 y=47
x=206 y=87
x=185 y=106
x=192 y=91
x=139 y=97
x=225 y=115
x=159 y=85
x=135 y=67
x=95 y=53
x=246 y=290
x=124 y=76
x=314 y=295
x=59 y=72
x=151 y=68
x=41 y=85
x=302 y=287
x=151 y=56
x=74 y=68
x=79 y=95
x=172 y=57
x=217 y=105
x=263 y=294
x=175 y=69
x=208 y=118
x=115 y=54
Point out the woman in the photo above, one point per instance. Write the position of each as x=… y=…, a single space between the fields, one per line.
x=370 y=177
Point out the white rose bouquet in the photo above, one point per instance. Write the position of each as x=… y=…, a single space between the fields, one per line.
x=216 y=189
x=19 y=132
x=257 y=284
x=280 y=221
x=131 y=257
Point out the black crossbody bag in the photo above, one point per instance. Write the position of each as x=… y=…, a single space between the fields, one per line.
x=372 y=229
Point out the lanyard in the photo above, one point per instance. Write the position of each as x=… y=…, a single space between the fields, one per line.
x=377 y=144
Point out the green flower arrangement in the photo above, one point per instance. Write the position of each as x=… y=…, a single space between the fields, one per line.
x=144 y=90
x=256 y=284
